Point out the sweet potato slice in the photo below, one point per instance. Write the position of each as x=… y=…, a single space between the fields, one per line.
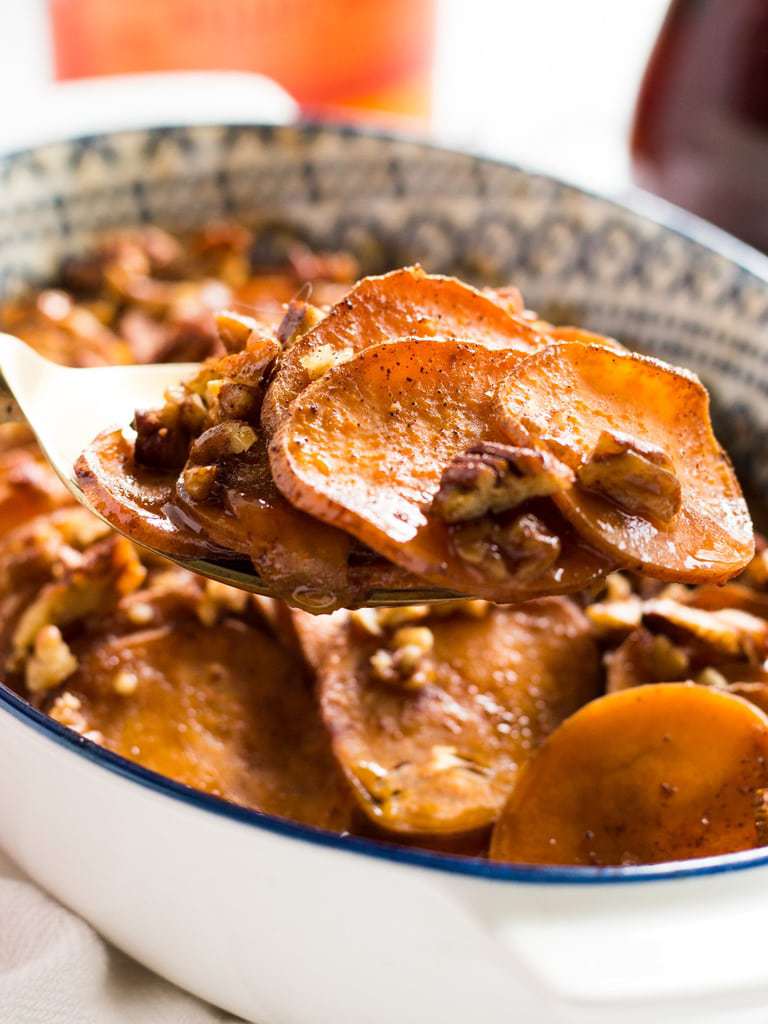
x=585 y=337
x=431 y=721
x=366 y=446
x=224 y=709
x=136 y=500
x=659 y=773
x=315 y=637
x=654 y=489
x=304 y=560
x=403 y=303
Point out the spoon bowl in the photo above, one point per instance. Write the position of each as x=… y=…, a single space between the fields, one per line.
x=67 y=407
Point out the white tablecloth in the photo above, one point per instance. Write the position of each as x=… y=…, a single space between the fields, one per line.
x=54 y=969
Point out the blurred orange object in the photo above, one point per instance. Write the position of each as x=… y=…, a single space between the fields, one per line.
x=329 y=54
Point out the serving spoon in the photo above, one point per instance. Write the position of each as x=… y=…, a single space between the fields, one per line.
x=66 y=407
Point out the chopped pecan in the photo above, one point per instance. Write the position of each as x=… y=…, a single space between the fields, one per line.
x=250 y=366
x=493 y=477
x=377 y=621
x=237 y=401
x=711 y=677
x=56 y=308
x=637 y=476
x=221 y=236
x=320 y=360
x=234 y=329
x=300 y=317
x=728 y=631
x=67 y=709
x=407 y=663
x=199 y=481
x=617 y=587
x=231 y=437
x=529 y=547
x=621 y=615
x=523 y=548
x=51 y=661
x=193 y=414
x=95 y=583
x=667 y=661
x=374 y=621
x=162 y=441
x=366 y=621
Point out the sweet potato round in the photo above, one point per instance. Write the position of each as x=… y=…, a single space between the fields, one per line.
x=564 y=397
x=402 y=303
x=304 y=560
x=441 y=760
x=224 y=709
x=365 y=446
x=658 y=773
x=135 y=499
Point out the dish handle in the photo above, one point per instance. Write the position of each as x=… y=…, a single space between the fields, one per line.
x=697 y=940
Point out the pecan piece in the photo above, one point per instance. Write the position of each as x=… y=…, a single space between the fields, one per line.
x=231 y=437
x=728 y=631
x=493 y=477
x=199 y=481
x=667 y=659
x=300 y=317
x=237 y=401
x=638 y=477
x=234 y=329
x=523 y=549
x=710 y=676
x=162 y=442
x=407 y=664
x=320 y=360
x=51 y=661
x=617 y=616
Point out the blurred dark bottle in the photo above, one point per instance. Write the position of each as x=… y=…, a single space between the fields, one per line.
x=700 y=135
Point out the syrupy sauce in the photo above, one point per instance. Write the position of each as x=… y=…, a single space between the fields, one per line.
x=700 y=135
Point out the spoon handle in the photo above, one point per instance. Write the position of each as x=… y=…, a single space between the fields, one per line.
x=9 y=407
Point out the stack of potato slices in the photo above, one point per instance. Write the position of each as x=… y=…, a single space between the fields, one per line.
x=423 y=432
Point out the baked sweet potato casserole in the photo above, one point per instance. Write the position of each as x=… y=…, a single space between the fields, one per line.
x=595 y=694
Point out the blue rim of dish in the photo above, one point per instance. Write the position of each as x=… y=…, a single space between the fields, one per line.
x=642 y=204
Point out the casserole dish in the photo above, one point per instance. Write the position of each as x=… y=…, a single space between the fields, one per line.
x=282 y=923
